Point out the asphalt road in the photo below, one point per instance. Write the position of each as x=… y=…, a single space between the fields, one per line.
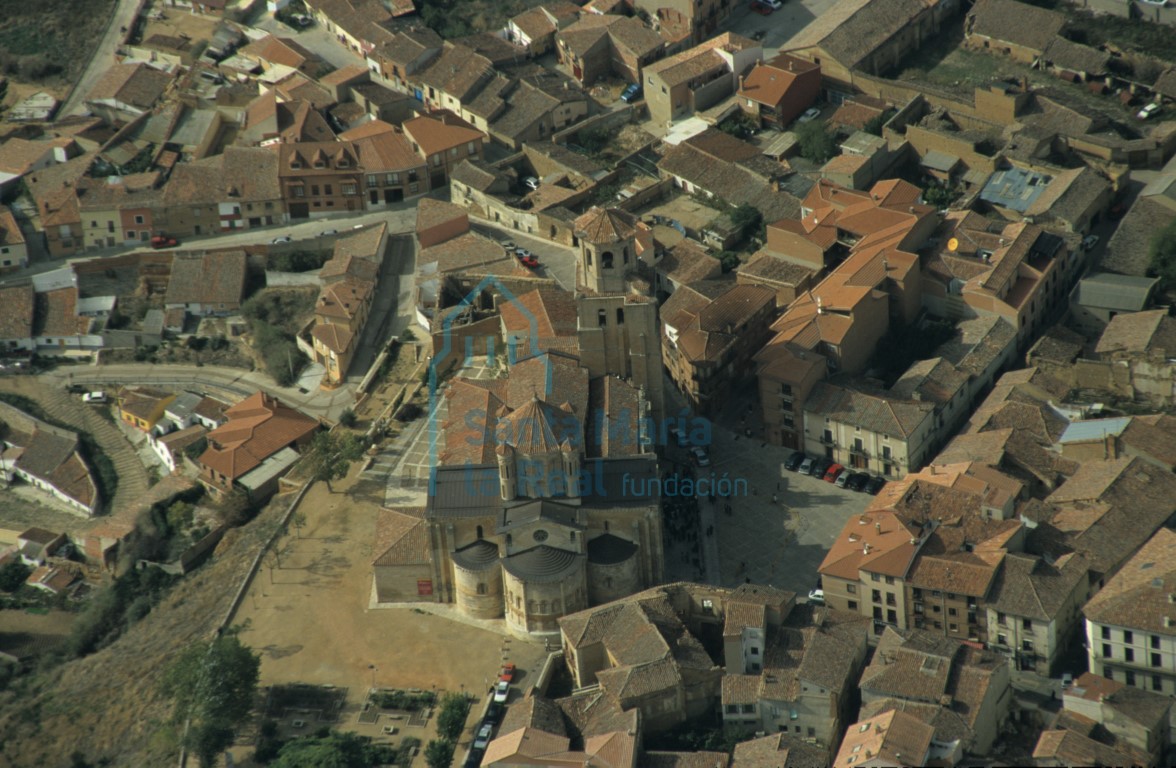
x=103 y=58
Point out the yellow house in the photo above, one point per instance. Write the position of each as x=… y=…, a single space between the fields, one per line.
x=143 y=407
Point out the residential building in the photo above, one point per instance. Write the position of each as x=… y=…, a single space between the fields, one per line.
x=686 y=21
x=19 y=157
x=320 y=178
x=361 y=25
x=603 y=45
x=238 y=189
x=170 y=448
x=48 y=458
x=127 y=91
x=444 y=140
x=16 y=322
x=398 y=59
x=255 y=447
x=209 y=283
x=721 y=166
x=1065 y=747
x=776 y=92
x=119 y=211
x=271 y=51
x=36 y=545
x=875 y=432
x=1034 y=607
x=913 y=667
x=1131 y=622
x=983 y=267
x=890 y=740
x=534 y=29
x=708 y=344
x=143 y=407
x=691 y=81
x=1103 y=295
x=1131 y=716
x=870 y=36
x=392 y=170
x=452 y=78
x=516 y=112
x=1140 y=345
x=1074 y=199
x=795 y=676
x=779 y=750
x=340 y=314
x=14 y=252
x=1014 y=29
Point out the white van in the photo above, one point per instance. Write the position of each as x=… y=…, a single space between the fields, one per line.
x=94 y=398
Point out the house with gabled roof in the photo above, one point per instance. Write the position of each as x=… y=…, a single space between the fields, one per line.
x=126 y=91
x=534 y=29
x=210 y=283
x=444 y=141
x=1018 y=30
x=320 y=178
x=256 y=446
x=599 y=45
x=46 y=457
x=890 y=738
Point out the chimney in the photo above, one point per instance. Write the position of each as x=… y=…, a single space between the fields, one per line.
x=866 y=548
x=931 y=469
x=741 y=82
x=878 y=527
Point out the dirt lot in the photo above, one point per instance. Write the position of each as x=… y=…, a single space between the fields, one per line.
x=50 y=42
x=312 y=623
x=176 y=23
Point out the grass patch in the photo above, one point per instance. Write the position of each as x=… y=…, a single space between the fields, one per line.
x=105 y=475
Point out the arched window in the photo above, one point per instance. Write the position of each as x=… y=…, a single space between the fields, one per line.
x=620 y=316
x=481 y=589
x=625 y=255
x=543 y=606
x=553 y=231
x=589 y=255
x=607 y=582
x=509 y=540
x=606 y=526
x=602 y=317
x=606 y=259
x=479 y=533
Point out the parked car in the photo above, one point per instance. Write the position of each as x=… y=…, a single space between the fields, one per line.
x=501 y=691
x=775 y=5
x=494 y=713
x=817 y=596
x=522 y=253
x=857 y=481
x=810 y=114
x=531 y=182
x=76 y=389
x=700 y=456
x=328 y=232
x=678 y=436
x=282 y=239
x=529 y=261
x=843 y=479
x=1148 y=112
x=631 y=93
x=94 y=398
x=760 y=7
x=821 y=467
x=793 y=462
x=875 y=485
x=833 y=472
x=163 y=241
x=508 y=672
x=474 y=759
x=482 y=740
x=1089 y=242
x=806 y=465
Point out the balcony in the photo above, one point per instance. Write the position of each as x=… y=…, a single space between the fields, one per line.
x=859 y=450
x=827 y=439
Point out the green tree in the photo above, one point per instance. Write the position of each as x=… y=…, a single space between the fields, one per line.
x=1162 y=253
x=348 y=418
x=330 y=456
x=13 y=575
x=748 y=219
x=729 y=260
x=451 y=719
x=816 y=143
x=336 y=750
x=439 y=753
x=212 y=684
x=874 y=124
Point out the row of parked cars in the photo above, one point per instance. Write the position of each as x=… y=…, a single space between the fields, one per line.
x=832 y=472
x=493 y=716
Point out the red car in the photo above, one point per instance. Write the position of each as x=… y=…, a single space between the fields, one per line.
x=761 y=9
x=832 y=473
x=508 y=671
x=163 y=241
x=529 y=261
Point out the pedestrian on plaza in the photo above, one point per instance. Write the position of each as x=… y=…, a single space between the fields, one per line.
x=775 y=500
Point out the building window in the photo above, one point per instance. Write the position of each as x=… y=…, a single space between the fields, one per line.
x=1157 y=683
x=853 y=606
x=472 y=148
x=889 y=579
x=1129 y=677
x=348 y=189
x=1027 y=624
x=1106 y=633
x=1155 y=660
x=1128 y=636
x=601 y=317
x=138 y=219
x=314 y=189
x=892 y=617
x=951 y=612
x=620 y=316
x=1129 y=654
x=606 y=260
x=1106 y=650
x=873 y=576
x=953 y=628
x=481 y=589
x=876 y=596
x=371 y=180
x=328 y=190
x=851 y=589
x=1155 y=641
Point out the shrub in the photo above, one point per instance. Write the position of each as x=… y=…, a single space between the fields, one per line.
x=816 y=143
x=348 y=418
x=451 y=719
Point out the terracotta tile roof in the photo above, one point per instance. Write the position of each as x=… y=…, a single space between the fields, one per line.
x=180 y=439
x=605 y=225
x=878 y=542
x=344 y=299
x=334 y=336
x=278 y=50
x=778 y=750
x=1138 y=333
x=1152 y=437
x=402 y=538
x=143 y=401
x=553 y=311
x=465 y=252
x=882 y=414
x=1069 y=748
x=534 y=711
x=136 y=84
x=852 y=31
x=432 y=213
x=440 y=131
x=525 y=744
x=257 y=427
x=892 y=738
x=697 y=61
x=387 y=152
x=1146 y=708
x=545 y=19
x=216 y=277
x=740 y=689
x=1139 y=595
x=56 y=314
x=770 y=82
x=18 y=155
x=16 y=321
x=858 y=112
x=471 y=442
x=1009 y=21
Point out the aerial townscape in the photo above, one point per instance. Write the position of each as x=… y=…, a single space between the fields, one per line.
x=587 y=383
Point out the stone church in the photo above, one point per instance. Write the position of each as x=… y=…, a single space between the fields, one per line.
x=531 y=513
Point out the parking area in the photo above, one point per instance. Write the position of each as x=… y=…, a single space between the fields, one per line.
x=555 y=261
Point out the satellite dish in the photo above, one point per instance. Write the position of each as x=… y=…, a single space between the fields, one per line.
x=953 y=245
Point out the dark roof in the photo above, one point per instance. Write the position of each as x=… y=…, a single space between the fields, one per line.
x=610 y=550
x=1121 y=293
x=476 y=556
x=542 y=564
x=1012 y=22
x=207 y=278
